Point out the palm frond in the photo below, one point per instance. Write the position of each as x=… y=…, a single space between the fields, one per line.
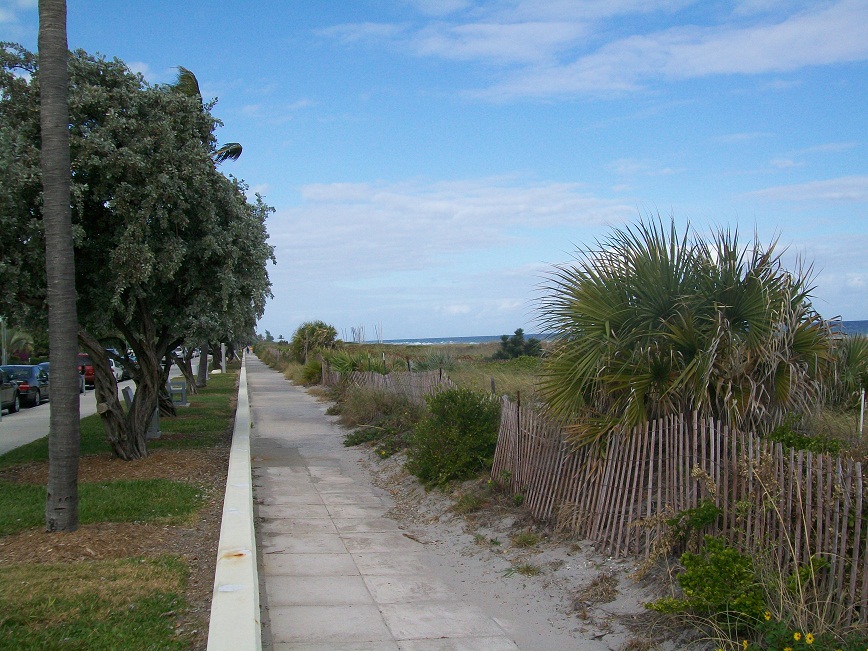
x=186 y=83
x=229 y=151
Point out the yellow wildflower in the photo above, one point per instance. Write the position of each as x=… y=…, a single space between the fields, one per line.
x=767 y=615
x=809 y=638
x=797 y=636
x=744 y=644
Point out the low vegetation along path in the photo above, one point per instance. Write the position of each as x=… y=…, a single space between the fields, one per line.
x=336 y=572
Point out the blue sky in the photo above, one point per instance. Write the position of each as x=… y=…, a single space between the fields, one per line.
x=430 y=161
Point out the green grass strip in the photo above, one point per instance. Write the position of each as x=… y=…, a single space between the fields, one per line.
x=129 y=604
x=202 y=424
x=22 y=506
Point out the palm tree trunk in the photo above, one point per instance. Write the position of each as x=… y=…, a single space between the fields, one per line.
x=61 y=507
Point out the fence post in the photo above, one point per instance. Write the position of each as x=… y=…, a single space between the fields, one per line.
x=493 y=390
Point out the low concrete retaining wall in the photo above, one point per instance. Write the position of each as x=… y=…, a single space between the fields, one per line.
x=235 y=618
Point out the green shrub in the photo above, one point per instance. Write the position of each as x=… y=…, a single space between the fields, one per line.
x=456 y=439
x=435 y=360
x=311 y=337
x=789 y=436
x=686 y=524
x=311 y=373
x=718 y=582
x=516 y=346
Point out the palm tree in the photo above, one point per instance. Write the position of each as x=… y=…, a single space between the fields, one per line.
x=188 y=85
x=61 y=508
x=649 y=323
x=15 y=341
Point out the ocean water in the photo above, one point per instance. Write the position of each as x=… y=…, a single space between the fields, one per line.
x=442 y=341
x=855 y=327
x=850 y=327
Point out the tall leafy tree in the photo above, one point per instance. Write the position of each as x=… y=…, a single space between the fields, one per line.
x=61 y=509
x=650 y=323
x=161 y=235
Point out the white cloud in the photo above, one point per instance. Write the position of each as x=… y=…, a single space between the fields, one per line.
x=848 y=189
x=686 y=52
x=10 y=9
x=539 y=42
x=529 y=42
x=262 y=189
x=456 y=310
x=639 y=167
x=829 y=147
x=856 y=281
x=784 y=163
x=438 y=7
x=743 y=137
x=399 y=233
x=362 y=32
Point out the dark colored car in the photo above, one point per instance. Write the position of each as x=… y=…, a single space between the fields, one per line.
x=47 y=367
x=8 y=392
x=32 y=382
x=86 y=364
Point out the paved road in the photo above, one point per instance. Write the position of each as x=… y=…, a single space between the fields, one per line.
x=31 y=423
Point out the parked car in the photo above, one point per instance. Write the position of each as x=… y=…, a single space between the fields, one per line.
x=32 y=382
x=8 y=393
x=85 y=366
x=47 y=367
x=117 y=369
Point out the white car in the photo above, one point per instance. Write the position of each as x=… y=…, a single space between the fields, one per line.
x=117 y=369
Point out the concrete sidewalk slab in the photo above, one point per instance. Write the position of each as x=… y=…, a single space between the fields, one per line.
x=337 y=573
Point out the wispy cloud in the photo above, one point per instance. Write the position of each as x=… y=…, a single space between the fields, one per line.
x=145 y=70
x=563 y=48
x=529 y=42
x=686 y=52
x=378 y=227
x=848 y=189
x=743 y=137
x=639 y=167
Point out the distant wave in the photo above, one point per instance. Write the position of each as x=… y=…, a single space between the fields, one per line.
x=442 y=341
x=850 y=327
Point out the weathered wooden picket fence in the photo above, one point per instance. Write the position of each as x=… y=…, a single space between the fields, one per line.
x=801 y=504
x=416 y=385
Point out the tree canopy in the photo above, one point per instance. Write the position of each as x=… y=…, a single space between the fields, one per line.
x=649 y=323
x=167 y=248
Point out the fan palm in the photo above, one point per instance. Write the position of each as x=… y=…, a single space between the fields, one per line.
x=649 y=323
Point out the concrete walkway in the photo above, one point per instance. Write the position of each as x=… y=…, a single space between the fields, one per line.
x=336 y=573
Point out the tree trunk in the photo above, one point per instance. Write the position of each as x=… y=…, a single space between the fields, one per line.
x=217 y=355
x=202 y=376
x=164 y=399
x=185 y=363
x=61 y=506
x=118 y=424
